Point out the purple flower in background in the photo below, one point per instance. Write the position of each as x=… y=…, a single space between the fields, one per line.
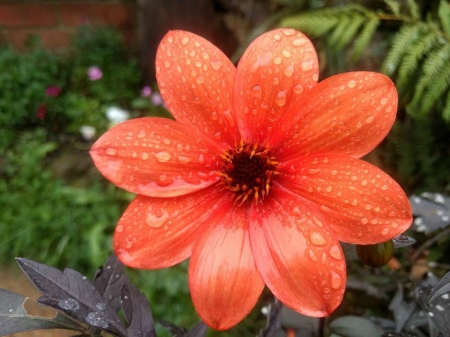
x=146 y=91
x=41 y=111
x=156 y=98
x=53 y=91
x=94 y=73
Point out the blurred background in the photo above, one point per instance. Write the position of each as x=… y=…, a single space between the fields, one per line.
x=70 y=69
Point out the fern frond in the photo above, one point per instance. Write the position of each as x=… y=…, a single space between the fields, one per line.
x=345 y=32
x=313 y=24
x=365 y=36
x=435 y=91
x=446 y=110
x=413 y=9
x=405 y=37
x=394 y=6
x=432 y=67
x=410 y=63
x=444 y=16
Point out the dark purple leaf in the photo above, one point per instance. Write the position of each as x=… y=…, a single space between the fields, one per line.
x=352 y=326
x=403 y=241
x=137 y=312
x=73 y=294
x=175 y=330
x=109 y=280
x=435 y=301
x=199 y=330
x=274 y=317
x=14 y=318
x=432 y=212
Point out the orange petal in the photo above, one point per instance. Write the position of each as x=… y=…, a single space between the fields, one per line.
x=156 y=157
x=345 y=114
x=160 y=232
x=196 y=80
x=297 y=254
x=272 y=73
x=362 y=203
x=223 y=279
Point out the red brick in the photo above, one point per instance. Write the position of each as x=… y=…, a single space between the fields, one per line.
x=52 y=39
x=118 y=15
x=27 y=15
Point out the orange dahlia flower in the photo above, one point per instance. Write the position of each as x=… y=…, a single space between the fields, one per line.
x=258 y=178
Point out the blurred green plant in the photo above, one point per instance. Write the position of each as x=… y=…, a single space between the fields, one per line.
x=408 y=41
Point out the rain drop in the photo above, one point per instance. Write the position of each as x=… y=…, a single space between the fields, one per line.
x=184 y=41
x=111 y=151
x=335 y=280
x=277 y=60
x=370 y=119
x=216 y=65
x=280 y=100
x=289 y=71
x=162 y=156
x=307 y=65
x=156 y=222
x=335 y=253
x=317 y=239
x=256 y=91
x=144 y=156
x=286 y=53
x=298 y=42
x=119 y=228
x=200 y=79
x=298 y=89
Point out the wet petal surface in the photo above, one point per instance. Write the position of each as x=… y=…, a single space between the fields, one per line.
x=156 y=157
x=272 y=74
x=297 y=254
x=196 y=80
x=223 y=279
x=345 y=114
x=362 y=204
x=160 y=232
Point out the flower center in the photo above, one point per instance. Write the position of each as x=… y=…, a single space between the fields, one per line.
x=248 y=171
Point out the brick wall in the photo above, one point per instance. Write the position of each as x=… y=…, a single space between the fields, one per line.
x=56 y=21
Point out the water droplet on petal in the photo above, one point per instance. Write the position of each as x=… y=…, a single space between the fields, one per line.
x=111 y=151
x=351 y=84
x=385 y=231
x=119 y=228
x=144 y=156
x=216 y=65
x=289 y=71
x=298 y=89
x=155 y=221
x=141 y=134
x=200 y=79
x=335 y=252
x=307 y=65
x=162 y=156
x=280 y=100
x=317 y=239
x=184 y=159
x=277 y=60
x=286 y=53
x=335 y=280
x=370 y=119
x=184 y=41
x=299 y=42
x=313 y=256
x=256 y=91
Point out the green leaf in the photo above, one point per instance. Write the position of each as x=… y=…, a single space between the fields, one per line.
x=365 y=36
x=394 y=6
x=436 y=89
x=413 y=9
x=444 y=16
x=353 y=326
x=446 y=110
x=14 y=318
x=402 y=42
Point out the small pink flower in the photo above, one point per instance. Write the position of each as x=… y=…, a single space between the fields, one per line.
x=53 y=91
x=94 y=73
x=146 y=91
x=156 y=99
x=41 y=111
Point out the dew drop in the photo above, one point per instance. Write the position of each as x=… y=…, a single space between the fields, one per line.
x=385 y=231
x=313 y=256
x=289 y=71
x=200 y=79
x=351 y=84
x=383 y=101
x=216 y=65
x=364 y=221
x=298 y=89
x=288 y=32
x=314 y=171
x=335 y=252
x=184 y=41
x=335 y=280
x=256 y=91
x=155 y=221
x=141 y=134
x=184 y=159
x=286 y=53
x=277 y=60
x=298 y=42
x=119 y=228
x=307 y=65
x=162 y=156
x=69 y=304
x=280 y=100
x=111 y=151
x=317 y=239
x=370 y=119
x=144 y=156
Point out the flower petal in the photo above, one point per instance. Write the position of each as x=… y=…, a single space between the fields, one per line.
x=362 y=203
x=297 y=254
x=196 y=80
x=156 y=157
x=160 y=232
x=223 y=279
x=345 y=114
x=272 y=73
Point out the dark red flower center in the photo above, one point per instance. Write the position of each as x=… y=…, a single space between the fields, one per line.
x=248 y=171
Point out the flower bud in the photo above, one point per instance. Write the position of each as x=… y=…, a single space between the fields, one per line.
x=376 y=255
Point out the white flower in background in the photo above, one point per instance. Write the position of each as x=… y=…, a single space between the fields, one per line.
x=117 y=115
x=87 y=132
